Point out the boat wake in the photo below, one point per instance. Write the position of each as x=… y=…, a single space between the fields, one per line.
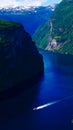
x=51 y=103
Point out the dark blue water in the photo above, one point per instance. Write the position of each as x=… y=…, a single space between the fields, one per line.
x=48 y=105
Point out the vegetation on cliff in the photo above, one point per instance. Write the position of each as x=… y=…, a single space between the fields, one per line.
x=5 y=38
x=4 y=24
x=62 y=29
x=41 y=36
x=19 y=58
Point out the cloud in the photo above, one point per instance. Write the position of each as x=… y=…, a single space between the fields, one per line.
x=14 y=3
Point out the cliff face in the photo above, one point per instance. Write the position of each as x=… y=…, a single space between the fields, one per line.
x=57 y=34
x=41 y=35
x=61 y=26
x=19 y=57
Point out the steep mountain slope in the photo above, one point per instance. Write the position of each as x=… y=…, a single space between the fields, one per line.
x=41 y=35
x=31 y=18
x=19 y=58
x=60 y=29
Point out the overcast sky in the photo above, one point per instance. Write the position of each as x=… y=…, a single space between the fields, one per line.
x=4 y=3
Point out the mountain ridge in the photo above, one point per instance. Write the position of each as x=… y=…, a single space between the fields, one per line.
x=53 y=6
x=31 y=18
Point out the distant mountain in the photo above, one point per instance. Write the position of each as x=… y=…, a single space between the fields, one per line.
x=57 y=35
x=31 y=17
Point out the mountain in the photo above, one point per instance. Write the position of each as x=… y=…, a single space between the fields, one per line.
x=30 y=17
x=57 y=35
x=41 y=36
x=19 y=58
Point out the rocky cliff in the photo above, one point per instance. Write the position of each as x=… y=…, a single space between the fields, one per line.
x=61 y=26
x=57 y=35
x=19 y=57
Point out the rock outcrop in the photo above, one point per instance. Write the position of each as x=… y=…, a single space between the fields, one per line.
x=19 y=58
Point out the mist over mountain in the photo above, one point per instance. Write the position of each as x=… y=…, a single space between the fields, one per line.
x=30 y=17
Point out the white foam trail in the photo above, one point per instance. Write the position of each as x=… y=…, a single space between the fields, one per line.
x=46 y=105
x=51 y=103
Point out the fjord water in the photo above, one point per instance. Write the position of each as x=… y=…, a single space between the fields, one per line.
x=48 y=105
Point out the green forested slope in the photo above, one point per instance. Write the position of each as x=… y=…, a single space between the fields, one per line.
x=41 y=35
x=62 y=29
